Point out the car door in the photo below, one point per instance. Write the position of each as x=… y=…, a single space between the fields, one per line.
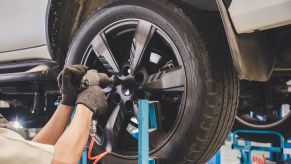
x=22 y=29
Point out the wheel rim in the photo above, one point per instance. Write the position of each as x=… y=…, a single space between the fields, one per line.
x=253 y=111
x=253 y=121
x=149 y=65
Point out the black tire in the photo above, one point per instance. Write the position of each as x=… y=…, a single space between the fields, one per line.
x=212 y=86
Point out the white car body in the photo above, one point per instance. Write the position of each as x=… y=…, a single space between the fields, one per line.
x=23 y=30
x=251 y=15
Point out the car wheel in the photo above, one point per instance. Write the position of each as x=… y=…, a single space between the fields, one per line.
x=260 y=108
x=160 y=54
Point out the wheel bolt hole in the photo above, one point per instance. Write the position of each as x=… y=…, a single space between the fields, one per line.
x=139 y=77
x=128 y=105
x=126 y=71
x=126 y=90
x=116 y=98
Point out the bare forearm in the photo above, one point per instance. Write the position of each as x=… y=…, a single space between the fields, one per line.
x=73 y=141
x=52 y=131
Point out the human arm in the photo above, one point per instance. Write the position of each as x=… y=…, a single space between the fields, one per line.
x=51 y=132
x=69 y=83
x=72 y=142
x=90 y=103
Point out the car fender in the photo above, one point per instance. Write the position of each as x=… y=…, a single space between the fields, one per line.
x=253 y=54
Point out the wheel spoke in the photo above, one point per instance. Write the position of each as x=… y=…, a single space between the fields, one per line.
x=143 y=35
x=104 y=54
x=113 y=127
x=168 y=80
x=87 y=55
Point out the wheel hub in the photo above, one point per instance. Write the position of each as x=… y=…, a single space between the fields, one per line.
x=126 y=90
x=127 y=86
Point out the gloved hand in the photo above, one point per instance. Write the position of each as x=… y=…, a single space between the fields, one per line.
x=94 y=99
x=93 y=78
x=69 y=83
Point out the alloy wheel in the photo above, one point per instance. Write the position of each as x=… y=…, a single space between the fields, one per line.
x=148 y=65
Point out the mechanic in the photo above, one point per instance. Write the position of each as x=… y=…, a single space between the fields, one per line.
x=57 y=142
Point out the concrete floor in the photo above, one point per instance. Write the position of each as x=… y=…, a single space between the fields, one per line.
x=229 y=156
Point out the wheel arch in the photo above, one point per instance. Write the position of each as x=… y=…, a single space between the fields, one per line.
x=64 y=18
x=205 y=5
x=253 y=54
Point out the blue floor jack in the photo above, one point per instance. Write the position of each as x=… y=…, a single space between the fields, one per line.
x=284 y=148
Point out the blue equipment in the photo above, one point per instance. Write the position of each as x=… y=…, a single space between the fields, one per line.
x=216 y=159
x=84 y=158
x=146 y=118
x=284 y=149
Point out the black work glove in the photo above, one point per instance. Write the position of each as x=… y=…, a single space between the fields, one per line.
x=93 y=78
x=94 y=99
x=69 y=83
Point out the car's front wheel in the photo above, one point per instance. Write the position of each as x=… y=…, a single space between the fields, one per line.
x=159 y=54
